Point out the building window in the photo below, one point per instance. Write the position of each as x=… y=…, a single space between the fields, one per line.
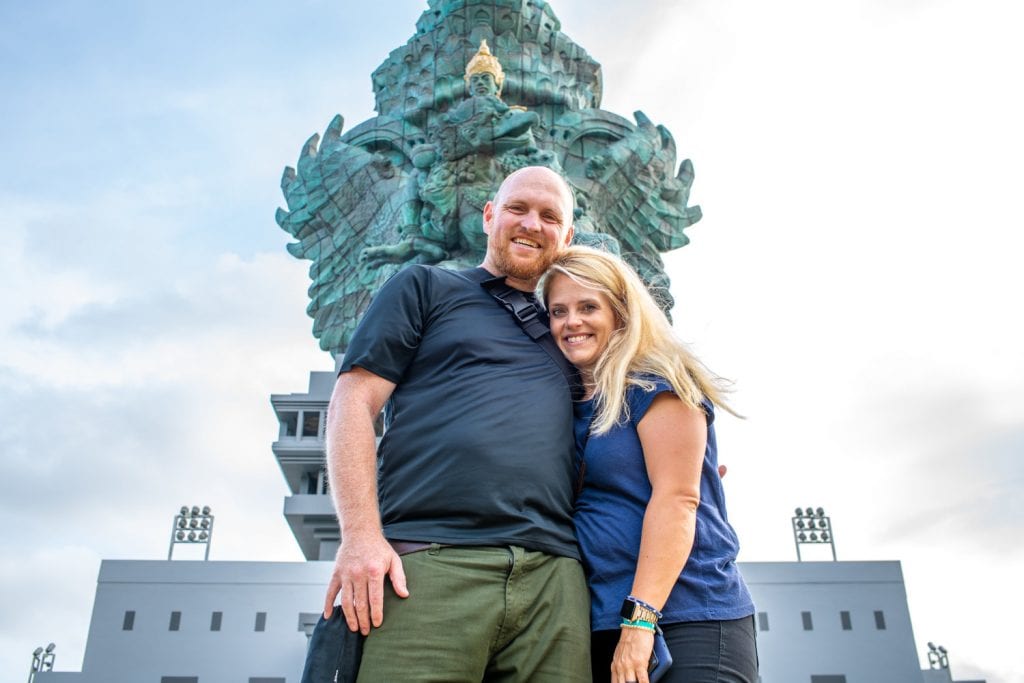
x=289 y=423
x=129 y=620
x=879 y=620
x=844 y=619
x=316 y=483
x=808 y=624
x=762 y=621
x=215 y=620
x=175 y=621
x=179 y=679
x=828 y=679
x=261 y=621
x=310 y=423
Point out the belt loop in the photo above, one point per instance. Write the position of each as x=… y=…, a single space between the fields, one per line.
x=435 y=549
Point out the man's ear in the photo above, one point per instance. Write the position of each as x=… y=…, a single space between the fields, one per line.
x=488 y=216
x=568 y=234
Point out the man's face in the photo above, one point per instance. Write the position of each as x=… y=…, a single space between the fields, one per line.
x=482 y=84
x=527 y=225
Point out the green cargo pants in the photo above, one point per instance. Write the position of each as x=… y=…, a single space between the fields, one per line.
x=483 y=614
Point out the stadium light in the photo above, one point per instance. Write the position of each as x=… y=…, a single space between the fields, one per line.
x=812 y=526
x=192 y=525
x=42 y=660
x=938 y=657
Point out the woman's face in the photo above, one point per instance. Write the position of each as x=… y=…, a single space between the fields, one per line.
x=582 y=321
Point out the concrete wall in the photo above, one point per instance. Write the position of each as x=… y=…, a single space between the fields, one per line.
x=783 y=591
x=291 y=595
x=235 y=653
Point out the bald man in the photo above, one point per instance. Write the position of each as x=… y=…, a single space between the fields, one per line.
x=457 y=554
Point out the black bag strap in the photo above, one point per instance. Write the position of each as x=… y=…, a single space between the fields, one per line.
x=528 y=316
x=581 y=456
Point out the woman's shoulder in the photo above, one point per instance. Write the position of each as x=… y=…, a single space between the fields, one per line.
x=641 y=391
x=646 y=383
x=645 y=387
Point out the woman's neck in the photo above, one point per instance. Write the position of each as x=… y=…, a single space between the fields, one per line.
x=589 y=384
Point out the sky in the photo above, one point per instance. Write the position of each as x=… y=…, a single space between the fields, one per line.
x=856 y=273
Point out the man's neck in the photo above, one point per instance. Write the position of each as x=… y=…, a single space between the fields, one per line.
x=513 y=282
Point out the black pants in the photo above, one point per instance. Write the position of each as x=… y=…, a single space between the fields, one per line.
x=702 y=652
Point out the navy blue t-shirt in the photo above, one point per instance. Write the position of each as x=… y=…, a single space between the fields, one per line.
x=478 y=447
x=609 y=520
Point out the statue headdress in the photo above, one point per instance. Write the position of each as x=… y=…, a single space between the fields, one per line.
x=483 y=62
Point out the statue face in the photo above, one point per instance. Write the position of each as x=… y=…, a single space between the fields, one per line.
x=482 y=84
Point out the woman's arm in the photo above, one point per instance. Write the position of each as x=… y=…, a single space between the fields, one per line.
x=674 y=437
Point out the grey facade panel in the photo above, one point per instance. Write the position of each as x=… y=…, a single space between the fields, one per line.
x=291 y=595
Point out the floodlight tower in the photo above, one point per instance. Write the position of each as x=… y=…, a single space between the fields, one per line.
x=192 y=525
x=812 y=526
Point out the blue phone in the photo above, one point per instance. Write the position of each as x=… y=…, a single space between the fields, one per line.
x=661 y=659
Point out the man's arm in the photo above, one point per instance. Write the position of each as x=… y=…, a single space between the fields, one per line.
x=364 y=556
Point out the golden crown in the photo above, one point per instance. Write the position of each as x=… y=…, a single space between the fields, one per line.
x=483 y=62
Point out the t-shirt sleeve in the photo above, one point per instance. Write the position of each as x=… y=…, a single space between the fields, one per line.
x=388 y=336
x=640 y=400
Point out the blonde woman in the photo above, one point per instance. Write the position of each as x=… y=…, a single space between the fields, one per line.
x=651 y=522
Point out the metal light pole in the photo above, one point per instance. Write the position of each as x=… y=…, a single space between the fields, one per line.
x=812 y=526
x=938 y=657
x=192 y=525
x=42 y=660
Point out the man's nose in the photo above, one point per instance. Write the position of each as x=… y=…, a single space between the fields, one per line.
x=531 y=221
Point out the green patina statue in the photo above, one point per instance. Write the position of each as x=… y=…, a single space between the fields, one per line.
x=409 y=185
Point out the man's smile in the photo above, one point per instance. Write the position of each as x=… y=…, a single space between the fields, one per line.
x=522 y=241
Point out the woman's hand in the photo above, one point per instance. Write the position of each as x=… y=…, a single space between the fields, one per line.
x=632 y=656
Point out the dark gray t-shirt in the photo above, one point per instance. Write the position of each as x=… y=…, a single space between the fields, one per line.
x=479 y=446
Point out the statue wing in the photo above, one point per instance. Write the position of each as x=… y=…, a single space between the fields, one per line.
x=341 y=198
x=631 y=189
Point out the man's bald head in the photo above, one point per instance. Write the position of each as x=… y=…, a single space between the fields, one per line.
x=538 y=174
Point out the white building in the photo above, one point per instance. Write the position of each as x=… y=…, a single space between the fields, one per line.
x=248 y=622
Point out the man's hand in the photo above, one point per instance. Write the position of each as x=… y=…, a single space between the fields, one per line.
x=359 y=570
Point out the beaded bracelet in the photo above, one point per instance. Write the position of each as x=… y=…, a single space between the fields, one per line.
x=638 y=624
x=645 y=605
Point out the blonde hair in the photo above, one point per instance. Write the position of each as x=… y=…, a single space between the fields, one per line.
x=643 y=342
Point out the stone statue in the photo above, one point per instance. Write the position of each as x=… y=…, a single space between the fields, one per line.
x=474 y=145
x=455 y=117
